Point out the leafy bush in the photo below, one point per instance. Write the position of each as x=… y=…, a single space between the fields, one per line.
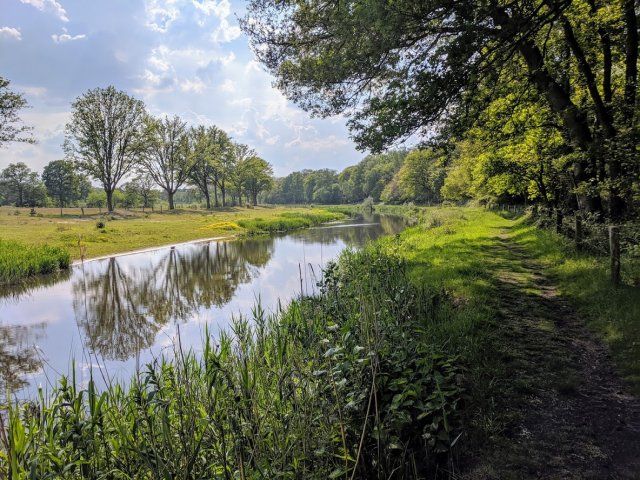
x=18 y=261
x=347 y=384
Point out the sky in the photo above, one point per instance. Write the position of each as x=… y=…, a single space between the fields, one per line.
x=181 y=57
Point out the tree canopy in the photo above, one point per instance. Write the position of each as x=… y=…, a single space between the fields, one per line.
x=431 y=68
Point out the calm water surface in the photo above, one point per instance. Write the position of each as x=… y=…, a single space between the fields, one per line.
x=112 y=315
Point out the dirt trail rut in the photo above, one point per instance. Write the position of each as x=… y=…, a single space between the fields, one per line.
x=573 y=419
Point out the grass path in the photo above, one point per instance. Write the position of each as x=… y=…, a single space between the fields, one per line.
x=568 y=414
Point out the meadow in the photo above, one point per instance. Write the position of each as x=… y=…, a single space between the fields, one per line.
x=97 y=234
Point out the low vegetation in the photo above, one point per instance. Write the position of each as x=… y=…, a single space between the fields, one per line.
x=349 y=384
x=94 y=234
x=288 y=221
x=404 y=364
x=19 y=261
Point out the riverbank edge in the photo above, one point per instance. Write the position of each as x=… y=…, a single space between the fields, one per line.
x=312 y=217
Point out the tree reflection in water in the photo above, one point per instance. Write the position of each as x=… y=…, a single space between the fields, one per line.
x=18 y=355
x=121 y=310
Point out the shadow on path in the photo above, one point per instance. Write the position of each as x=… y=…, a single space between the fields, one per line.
x=571 y=416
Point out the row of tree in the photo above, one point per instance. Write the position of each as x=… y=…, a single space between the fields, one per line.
x=111 y=138
x=398 y=176
x=530 y=100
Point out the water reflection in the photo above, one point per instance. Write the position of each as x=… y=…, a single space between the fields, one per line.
x=122 y=309
x=18 y=355
x=127 y=309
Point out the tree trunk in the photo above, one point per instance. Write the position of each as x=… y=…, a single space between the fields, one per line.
x=109 y=200
x=215 y=195
x=585 y=68
x=170 y=197
x=631 y=61
x=223 y=191
x=255 y=198
x=559 y=100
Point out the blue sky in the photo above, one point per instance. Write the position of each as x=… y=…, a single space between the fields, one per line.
x=184 y=57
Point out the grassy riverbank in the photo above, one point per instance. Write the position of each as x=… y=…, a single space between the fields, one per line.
x=429 y=351
x=18 y=261
x=125 y=230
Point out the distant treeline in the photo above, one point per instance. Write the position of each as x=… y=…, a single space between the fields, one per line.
x=398 y=176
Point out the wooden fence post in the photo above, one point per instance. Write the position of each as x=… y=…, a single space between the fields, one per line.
x=614 y=249
x=578 y=231
x=559 y=218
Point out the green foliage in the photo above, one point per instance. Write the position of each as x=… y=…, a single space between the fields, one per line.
x=288 y=221
x=343 y=385
x=11 y=129
x=97 y=198
x=19 y=261
x=63 y=184
x=546 y=91
x=419 y=179
x=352 y=185
x=105 y=136
x=21 y=186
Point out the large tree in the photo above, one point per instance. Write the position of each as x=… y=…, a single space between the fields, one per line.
x=258 y=177
x=11 y=128
x=202 y=154
x=62 y=182
x=105 y=136
x=167 y=158
x=408 y=67
x=240 y=154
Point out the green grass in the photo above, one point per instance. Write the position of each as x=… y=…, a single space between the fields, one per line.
x=406 y=348
x=345 y=385
x=19 y=261
x=127 y=231
x=288 y=221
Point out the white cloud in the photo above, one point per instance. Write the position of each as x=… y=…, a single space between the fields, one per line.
x=226 y=32
x=65 y=37
x=161 y=14
x=317 y=144
x=196 y=85
x=228 y=86
x=49 y=6
x=10 y=32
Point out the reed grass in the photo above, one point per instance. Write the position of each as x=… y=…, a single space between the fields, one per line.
x=288 y=221
x=347 y=384
x=19 y=261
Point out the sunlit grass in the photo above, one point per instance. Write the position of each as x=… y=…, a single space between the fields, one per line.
x=288 y=221
x=126 y=231
x=19 y=261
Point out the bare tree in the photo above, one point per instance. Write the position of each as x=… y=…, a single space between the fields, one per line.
x=167 y=158
x=105 y=136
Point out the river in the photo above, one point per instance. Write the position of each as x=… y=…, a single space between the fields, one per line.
x=110 y=316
